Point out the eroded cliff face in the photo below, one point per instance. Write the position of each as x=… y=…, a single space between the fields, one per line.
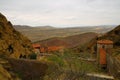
x=12 y=43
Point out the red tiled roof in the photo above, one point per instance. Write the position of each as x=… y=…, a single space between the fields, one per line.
x=36 y=45
x=54 y=48
x=105 y=42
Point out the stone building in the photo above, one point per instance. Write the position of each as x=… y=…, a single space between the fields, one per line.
x=36 y=48
x=103 y=48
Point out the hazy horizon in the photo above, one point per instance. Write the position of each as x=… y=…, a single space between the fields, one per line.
x=62 y=13
x=68 y=26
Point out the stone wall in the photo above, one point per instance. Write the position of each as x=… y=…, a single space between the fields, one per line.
x=113 y=66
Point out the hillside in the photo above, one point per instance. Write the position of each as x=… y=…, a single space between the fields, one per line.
x=12 y=43
x=45 y=32
x=113 y=35
x=70 y=41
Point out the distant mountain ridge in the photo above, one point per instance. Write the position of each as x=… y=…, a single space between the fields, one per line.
x=27 y=26
x=46 y=32
x=47 y=26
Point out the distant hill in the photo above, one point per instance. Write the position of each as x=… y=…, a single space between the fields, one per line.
x=70 y=41
x=45 y=27
x=45 y=32
x=21 y=26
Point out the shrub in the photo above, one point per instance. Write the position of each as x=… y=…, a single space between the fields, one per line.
x=33 y=56
x=56 y=59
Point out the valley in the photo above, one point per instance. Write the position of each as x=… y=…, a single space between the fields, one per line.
x=46 y=32
x=37 y=53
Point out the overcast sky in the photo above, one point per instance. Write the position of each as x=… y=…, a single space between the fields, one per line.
x=61 y=13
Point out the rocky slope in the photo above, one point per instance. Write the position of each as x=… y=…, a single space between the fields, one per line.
x=12 y=43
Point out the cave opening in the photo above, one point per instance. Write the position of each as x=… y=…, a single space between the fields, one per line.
x=10 y=49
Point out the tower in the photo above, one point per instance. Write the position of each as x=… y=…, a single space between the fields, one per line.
x=103 y=48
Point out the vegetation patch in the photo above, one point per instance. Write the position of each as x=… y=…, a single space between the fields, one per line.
x=69 y=67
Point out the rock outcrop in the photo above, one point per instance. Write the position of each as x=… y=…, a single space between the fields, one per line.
x=12 y=43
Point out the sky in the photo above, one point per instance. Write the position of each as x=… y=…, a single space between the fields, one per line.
x=61 y=13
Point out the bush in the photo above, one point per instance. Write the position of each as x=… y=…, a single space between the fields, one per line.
x=33 y=56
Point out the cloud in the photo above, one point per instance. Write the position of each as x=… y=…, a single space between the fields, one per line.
x=61 y=12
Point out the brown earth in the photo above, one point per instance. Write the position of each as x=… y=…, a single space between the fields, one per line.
x=70 y=41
